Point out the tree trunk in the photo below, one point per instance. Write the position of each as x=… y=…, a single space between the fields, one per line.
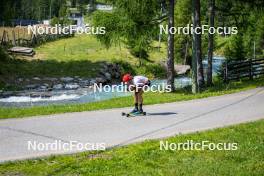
x=92 y=5
x=186 y=51
x=210 y=43
x=170 y=61
x=198 y=77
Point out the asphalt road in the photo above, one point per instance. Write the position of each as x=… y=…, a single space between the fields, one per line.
x=109 y=128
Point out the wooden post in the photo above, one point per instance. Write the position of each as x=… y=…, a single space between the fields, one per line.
x=14 y=37
x=18 y=36
x=226 y=73
x=5 y=38
x=254 y=50
x=24 y=33
x=250 y=69
x=33 y=39
x=159 y=42
x=2 y=40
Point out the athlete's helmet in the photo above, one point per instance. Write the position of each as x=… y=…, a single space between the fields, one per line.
x=127 y=77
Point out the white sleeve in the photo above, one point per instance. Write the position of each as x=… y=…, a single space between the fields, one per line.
x=140 y=80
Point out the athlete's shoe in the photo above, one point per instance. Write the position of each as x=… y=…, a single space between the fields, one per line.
x=135 y=110
x=141 y=111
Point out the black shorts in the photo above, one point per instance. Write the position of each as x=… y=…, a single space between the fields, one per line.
x=140 y=88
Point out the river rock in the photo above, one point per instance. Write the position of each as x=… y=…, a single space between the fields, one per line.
x=57 y=86
x=116 y=75
x=107 y=76
x=108 y=72
x=21 y=94
x=100 y=80
x=102 y=70
x=104 y=66
x=84 y=83
x=67 y=79
x=72 y=86
x=32 y=86
x=6 y=94
x=46 y=84
x=50 y=79
x=46 y=95
x=36 y=78
x=92 y=81
x=34 y=95
x=20 y=79
x=43 y=87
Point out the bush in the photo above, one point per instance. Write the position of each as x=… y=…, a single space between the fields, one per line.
x=149 y=70
x=125 y=66
x=62 y=21
x=3 y=55
x=155 y=71
x=139 y=53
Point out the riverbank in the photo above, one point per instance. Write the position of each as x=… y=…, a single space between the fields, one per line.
x=79 y=56
x=149 y=98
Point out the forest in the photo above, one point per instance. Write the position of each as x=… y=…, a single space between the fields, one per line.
x=136 y=24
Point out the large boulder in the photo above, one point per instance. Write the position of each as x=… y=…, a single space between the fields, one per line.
x=179 y=69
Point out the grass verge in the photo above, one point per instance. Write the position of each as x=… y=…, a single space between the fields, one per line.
x=81 y=56
x=149 y=98
x=147 y=159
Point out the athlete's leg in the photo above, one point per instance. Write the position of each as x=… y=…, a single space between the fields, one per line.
x=135 y=102
x=140 y=100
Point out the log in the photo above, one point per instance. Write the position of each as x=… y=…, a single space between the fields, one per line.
x=22 y=51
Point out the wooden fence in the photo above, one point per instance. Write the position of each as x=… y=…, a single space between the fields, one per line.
x=236 y=70
x=18 y=36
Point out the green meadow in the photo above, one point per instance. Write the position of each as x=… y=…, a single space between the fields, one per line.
x=146 y=158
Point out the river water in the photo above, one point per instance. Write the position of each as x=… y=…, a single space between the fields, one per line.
x=85 y=95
